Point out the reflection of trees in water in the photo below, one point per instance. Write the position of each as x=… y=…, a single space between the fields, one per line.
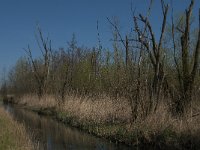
x=53 y=135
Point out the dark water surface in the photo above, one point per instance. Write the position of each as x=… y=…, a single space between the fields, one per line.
x=53 y=135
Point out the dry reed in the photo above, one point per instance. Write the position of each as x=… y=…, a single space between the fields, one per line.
x=113 y=118
x=12 y=134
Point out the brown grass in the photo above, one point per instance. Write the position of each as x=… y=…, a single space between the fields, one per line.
x=102 y=110
x=12 y=134
x=112 y=119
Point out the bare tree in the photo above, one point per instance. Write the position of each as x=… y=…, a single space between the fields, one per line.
x=188 y=69
x=41 y=72
x=155 y=51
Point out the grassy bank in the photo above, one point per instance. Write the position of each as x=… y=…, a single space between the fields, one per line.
x=108 y=118
x=12 y=134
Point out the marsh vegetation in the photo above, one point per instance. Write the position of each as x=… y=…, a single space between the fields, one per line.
x=13 y=134
x=143 y=91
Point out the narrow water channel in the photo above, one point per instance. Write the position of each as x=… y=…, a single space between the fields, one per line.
x=53 y=135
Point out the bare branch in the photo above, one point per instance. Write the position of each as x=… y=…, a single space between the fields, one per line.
x=174 y=47
x=163 y=7
x=29 y=53
x=180 y=30
x=163 y=25
x=144 y=42
x=145 y=20
x=196 y=54
x=118 y=32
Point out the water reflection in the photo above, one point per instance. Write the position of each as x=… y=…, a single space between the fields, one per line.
x=52 y=135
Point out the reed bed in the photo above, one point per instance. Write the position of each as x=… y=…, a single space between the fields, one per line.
x=111 y=118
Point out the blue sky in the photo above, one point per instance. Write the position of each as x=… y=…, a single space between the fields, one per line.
x=59 y=19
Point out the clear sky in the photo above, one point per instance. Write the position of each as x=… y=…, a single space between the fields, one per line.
x=59 y=19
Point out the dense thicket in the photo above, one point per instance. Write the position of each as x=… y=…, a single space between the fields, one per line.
x=140 y=68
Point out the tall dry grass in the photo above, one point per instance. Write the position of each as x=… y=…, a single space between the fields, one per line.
x=13 y=135
x=113 y=119
x=105 y=109
x=101 y=110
